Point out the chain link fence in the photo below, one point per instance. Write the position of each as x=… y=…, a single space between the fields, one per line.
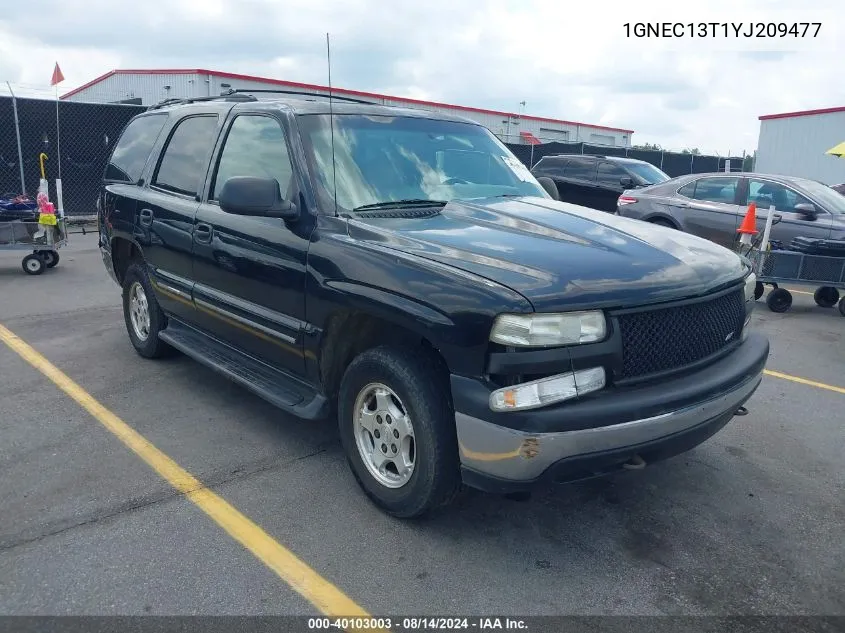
x=76 y=138
x=673 y=163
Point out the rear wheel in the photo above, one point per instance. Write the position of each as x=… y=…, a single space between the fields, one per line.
x=143 y=316
x=842 y=306
x=779 y=300
x=398 y=431
x=51 y=258
x=826 y=296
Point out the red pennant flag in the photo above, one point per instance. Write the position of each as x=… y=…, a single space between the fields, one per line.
x=58 y=77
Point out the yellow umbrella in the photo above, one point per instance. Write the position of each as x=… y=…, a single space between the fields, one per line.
x=839 y=150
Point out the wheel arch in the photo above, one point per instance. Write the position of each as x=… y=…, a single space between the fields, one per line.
x=658 y=217
x=124 y=251
x=337 y=349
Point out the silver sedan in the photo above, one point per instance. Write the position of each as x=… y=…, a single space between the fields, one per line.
x=713 y=205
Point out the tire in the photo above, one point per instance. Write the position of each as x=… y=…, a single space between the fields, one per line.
x=759 y=289
x=143 y=332
x=779 y=300
x=33 y=265
x=826 y=296
x=842 y=306
x=51 y=258
x=400 y=379
x=662 y=222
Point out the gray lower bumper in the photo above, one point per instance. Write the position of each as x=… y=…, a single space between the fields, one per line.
x=508 y=454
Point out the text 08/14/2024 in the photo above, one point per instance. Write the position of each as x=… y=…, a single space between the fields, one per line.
x=721 y=29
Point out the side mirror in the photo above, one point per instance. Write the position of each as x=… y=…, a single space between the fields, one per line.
x=807 y=210
x=627 y=182
x=550 y=187
x=261 y=197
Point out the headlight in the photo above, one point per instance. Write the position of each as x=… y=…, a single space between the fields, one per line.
x=546 y=391
x=750 y=285
x=539 y=330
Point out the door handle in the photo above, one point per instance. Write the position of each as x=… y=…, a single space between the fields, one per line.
x=202 y=233
x=146 y=218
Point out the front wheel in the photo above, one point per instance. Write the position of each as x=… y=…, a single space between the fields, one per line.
x=51 y=258
x=33 y=264
x=398 y=430
x=779 y=300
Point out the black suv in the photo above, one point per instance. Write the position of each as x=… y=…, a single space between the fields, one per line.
x=596 y=181
x=403 y=271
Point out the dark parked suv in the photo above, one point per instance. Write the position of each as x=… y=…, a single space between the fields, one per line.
x=596 y=181
x=403 y=271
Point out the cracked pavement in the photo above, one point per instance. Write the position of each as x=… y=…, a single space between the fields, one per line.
x=750 y=522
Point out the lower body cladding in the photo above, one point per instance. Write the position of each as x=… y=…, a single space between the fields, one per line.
x=602 y=433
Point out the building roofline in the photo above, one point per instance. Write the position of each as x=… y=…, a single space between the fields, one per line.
x=789 y=115
x=345 y=91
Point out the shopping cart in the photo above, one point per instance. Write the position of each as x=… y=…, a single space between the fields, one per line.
x=43 y=240
x=826 y=274
x=774 y=265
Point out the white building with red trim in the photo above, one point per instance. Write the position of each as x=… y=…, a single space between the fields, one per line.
x=794 y=144
x=147 y=87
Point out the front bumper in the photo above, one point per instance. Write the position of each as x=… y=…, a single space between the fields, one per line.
x=598 y=435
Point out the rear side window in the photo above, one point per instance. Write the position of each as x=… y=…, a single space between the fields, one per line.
x=185 y=158
x=551 y=166
x=688 y=190
x=581 y=170
x=712 y=190
x=133 y=148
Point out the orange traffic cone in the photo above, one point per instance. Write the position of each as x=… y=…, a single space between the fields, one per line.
x=749 y=225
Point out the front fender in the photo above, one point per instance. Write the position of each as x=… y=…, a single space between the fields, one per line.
x=452 y=309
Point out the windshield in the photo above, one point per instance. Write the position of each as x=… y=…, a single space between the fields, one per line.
x=831 y=200
x=380 y=159
x=649 y=174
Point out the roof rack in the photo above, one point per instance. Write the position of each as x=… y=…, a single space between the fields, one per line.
x=581 y=155
x=227 y=96
x=298 y=92
x=244 y=94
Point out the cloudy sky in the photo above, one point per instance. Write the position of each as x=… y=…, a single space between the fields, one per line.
x=566 y=59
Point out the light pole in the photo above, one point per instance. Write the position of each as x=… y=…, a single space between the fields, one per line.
x=519 y=116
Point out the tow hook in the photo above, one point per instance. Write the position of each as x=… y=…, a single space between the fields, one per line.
x=741 y=411
x=635 y=463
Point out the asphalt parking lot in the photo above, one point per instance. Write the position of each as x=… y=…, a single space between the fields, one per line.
x=751 y=522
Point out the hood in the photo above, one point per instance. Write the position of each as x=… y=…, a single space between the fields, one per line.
x=559 y=255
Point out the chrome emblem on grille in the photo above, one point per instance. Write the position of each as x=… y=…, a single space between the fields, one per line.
x=729 y=336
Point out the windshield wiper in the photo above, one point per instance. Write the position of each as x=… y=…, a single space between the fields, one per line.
x=401 y=204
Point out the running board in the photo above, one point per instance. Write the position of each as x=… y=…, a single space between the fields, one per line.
x=274 y=386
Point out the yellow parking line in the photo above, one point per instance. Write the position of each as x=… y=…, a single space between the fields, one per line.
x=804 y=381
x=800 y=292
x=327 y=598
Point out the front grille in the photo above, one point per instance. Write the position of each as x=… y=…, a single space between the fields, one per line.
x=670 y=338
